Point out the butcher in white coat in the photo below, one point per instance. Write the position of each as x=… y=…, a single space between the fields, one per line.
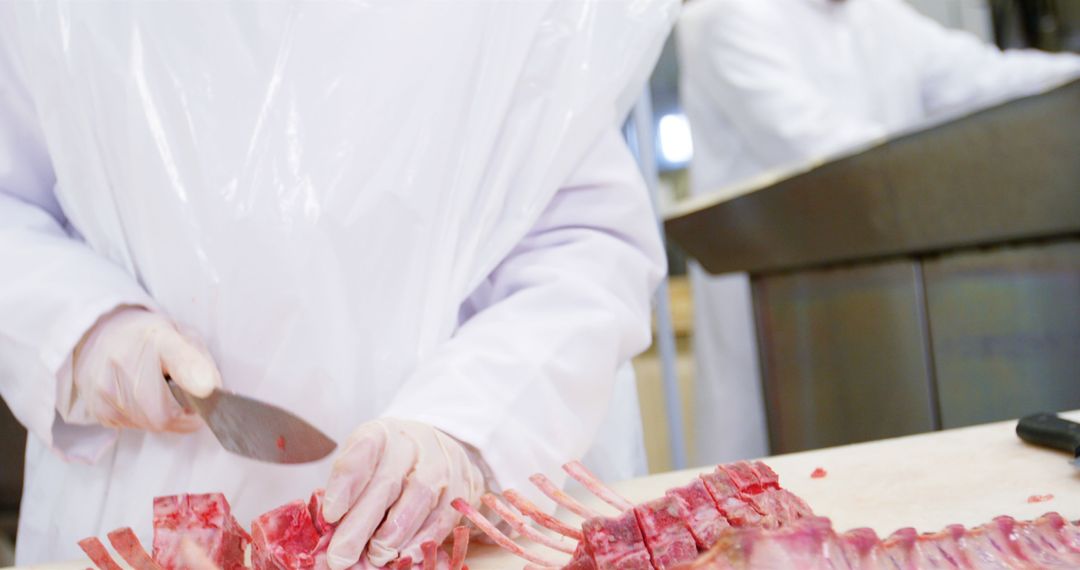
x=771 y=84
x=413 y=224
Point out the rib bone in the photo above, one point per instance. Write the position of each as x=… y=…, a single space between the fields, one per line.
x=129 y=548
x=595 y=486
x=501 y=539
x=543 y=519
x=555 y=494
x=519 y=524
x=461 y=547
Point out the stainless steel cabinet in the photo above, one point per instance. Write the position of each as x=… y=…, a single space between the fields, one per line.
x=891 y=348
x=843 y=355
x=1005 y=329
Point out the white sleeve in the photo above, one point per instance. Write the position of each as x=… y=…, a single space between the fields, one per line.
x=53 y=287
x=528 y=377
x=961 y=73
x=762 y=87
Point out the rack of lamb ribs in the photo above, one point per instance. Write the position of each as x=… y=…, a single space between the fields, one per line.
x=736 y=517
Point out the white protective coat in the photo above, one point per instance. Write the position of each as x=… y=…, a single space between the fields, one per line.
x=774 y=84
x=411 y=209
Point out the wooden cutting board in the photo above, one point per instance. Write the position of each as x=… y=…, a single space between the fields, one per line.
x=927 y=481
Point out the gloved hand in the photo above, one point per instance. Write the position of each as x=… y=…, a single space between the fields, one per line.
x=402 y=474
x=118 y=373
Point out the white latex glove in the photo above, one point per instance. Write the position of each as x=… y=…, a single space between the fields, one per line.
x=391 y=489
x=118 y=373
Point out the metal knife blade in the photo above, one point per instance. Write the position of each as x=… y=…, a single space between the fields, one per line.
x=1049 y=430
x=256 y=429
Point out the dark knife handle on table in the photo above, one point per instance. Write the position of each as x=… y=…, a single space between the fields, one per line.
x=1048 y=430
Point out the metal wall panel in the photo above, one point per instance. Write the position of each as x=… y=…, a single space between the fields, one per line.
x=843 y=355
x=1005 y=327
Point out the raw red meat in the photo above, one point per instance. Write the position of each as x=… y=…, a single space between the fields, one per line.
x=702 y=517
x=743 y=476
x=730 y=500
x=284 y=538
x=204 y=519
x=616 y=543
x=738 y=517
x=818 y=473
x=812 y=544
x=582 y=559
x=664 y=528
x=201 y=528
x=798 y=546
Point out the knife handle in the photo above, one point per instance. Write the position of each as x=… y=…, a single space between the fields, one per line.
x=1048 y=430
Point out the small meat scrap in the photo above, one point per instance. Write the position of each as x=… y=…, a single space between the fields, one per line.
x=207 y=521
x=818 y=473
x=1040 y=498
x=281 y=442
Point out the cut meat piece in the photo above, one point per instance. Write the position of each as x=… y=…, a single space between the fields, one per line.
x=809 y=545
x=779 y=507
x=766 y=476
x=616 y=543
x=204 y=519
x=284 y=539
x=665 y=532
x=738 y=511
x=704 y=519
x=743 y=476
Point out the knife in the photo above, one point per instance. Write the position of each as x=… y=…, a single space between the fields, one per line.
x=1048 y=430
x=256 y=429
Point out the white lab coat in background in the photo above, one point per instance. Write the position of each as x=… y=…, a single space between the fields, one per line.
x=413 y=209
x=774 y=84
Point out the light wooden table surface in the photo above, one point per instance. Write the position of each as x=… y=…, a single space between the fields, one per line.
x=927 y=481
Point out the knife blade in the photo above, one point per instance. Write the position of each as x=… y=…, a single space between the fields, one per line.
x=1049 y=430
x=255 y=429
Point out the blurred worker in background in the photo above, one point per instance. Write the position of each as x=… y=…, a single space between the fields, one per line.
x=411 y=222
x=776 y=83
